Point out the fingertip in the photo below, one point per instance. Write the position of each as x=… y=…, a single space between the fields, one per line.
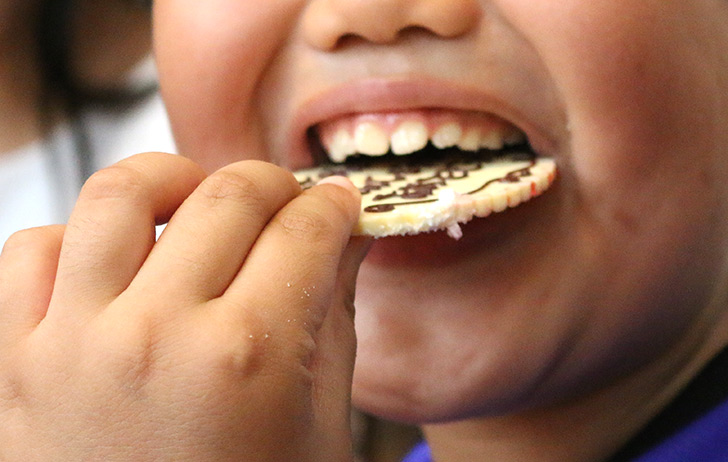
x=342 y=182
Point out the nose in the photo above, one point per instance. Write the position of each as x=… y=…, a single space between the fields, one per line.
x=326 y=22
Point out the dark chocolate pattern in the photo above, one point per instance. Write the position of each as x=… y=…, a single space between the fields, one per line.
x=421 y=189
x=418 y=191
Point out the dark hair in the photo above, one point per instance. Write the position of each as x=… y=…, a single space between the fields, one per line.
x=62 y=89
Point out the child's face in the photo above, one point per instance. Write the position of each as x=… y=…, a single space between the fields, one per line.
x=596 y=277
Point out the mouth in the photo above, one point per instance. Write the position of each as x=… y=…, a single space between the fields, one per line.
x=423 y=169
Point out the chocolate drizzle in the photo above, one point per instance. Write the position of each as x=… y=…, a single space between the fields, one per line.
x=421 y=190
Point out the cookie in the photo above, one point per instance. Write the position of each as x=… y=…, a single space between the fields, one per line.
x=402 y=198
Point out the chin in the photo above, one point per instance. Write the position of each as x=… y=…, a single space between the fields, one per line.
x=420 y=360
x=418 y=394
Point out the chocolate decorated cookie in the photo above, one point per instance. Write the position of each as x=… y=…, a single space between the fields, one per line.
x=401 y=198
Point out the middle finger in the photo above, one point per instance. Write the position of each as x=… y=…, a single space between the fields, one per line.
x=208 y=238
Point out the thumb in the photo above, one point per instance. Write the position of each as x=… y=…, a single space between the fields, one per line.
x=351 y=259
x=333 y=364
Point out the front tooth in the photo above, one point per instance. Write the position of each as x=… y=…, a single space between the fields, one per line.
x=492 y=140
x=371 y=140
x=447 y=136
x=342 y=146
x=470 y=141
x=409 y=137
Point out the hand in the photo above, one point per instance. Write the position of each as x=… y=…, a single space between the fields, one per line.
x=231 y=338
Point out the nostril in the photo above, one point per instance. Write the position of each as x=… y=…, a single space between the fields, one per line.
x=352 y=39
x=329 y=23
x=348 y=40
x=446 y=18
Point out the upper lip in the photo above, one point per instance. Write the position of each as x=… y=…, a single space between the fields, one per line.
x=387 y=95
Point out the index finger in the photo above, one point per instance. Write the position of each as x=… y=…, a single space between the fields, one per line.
x=292 y=269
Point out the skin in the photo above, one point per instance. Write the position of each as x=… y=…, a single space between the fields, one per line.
x=189 y=368
x=573 y=318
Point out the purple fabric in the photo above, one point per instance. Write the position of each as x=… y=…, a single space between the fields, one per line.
x=420 y=453
x=705 y=440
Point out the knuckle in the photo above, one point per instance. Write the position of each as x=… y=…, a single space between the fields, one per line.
x=300 y=347
x=231 y=185
x=240 y=358
x=318 y=217
x=252 y=183
x=248 y=346
x=240 y=352
x=115 y=182
x=308 y=225
x=128 y=348
x=10 y=391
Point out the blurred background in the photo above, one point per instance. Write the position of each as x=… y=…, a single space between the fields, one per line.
x=77 y=93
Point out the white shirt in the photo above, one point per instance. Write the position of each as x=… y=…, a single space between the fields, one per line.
x=39 y=182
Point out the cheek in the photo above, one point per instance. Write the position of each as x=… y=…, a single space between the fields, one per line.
x=639 y=83
x=644 y=164
x=635 y=76
x=211 y=56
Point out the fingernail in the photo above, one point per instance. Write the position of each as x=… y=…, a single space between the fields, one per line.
x=338 y=180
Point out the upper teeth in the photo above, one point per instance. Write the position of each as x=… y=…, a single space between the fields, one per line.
x=407 y=135
x=370 y=139
x=447 y=136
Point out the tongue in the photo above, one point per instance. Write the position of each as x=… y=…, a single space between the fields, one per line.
x=405 y=132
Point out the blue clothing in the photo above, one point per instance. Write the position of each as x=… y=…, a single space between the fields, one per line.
x=420 y=453
x=705 y=440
